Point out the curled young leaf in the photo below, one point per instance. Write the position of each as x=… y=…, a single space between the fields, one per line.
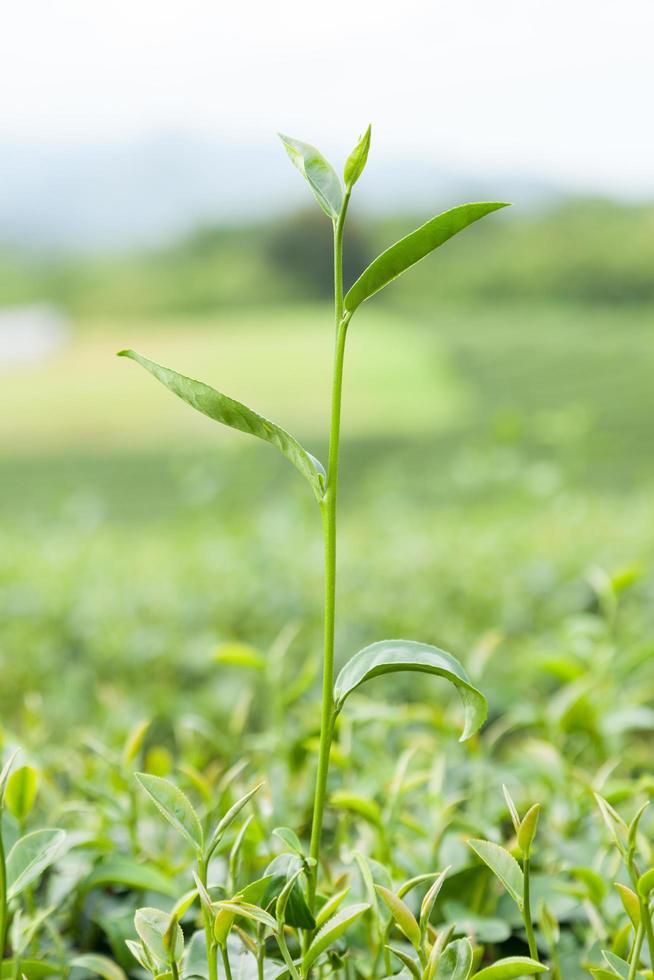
x=414 y=247
x=355 y=163
x=221 y=408
x=528 y=827
x=630 y=903
x=319 y=174
x=391 y=656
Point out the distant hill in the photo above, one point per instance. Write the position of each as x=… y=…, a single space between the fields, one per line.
x=113 y=196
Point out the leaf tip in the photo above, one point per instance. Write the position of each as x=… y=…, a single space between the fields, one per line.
x=125 y=353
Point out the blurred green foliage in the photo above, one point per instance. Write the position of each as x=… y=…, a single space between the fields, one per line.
x=584 y=251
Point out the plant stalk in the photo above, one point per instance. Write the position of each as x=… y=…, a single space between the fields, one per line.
x=635 y=954
x=526 y=910
x=328 y=509
x=212 y=960
x=3 y=894
x=226 y=963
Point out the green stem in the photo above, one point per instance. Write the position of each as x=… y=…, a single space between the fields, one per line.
x=3 y=894
x=526 y=911
x=208 y=926
x=174 y=970
x=328 y=508
x=635 y=954
x=226 y=963
x=288 y=959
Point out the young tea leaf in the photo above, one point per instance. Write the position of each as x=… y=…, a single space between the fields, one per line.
x=619 y=966
x=429 y=900
x=290 y=838
x=414 y=247
x=510 y=968
x=229 y=818
x=319 y=174
x=456 y=961
x=503 y=865
x=390 y=656
x=30 y=856
x=4 y=775
x=630 y=903
x=247 y=911
x=102 y=966
x=330 y=932
x=174 y=806
x=130 y=874
x=152 y=926
x=528 y=827
x=20 y=793
x=407 y=959
x=355 y=163
x=401 y=913
x=331 y=905
x=223 y=409
x=280 y=869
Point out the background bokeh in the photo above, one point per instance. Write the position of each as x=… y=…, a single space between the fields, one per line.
x=498 y=459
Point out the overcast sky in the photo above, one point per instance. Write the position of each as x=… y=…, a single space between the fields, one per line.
x=554 y=89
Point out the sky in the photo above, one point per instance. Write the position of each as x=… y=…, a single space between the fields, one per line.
x=558 y=90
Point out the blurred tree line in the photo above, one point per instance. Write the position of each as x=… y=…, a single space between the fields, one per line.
x=586 y=251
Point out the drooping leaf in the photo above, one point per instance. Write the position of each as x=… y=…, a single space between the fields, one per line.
x=102 y=966
x=414 y=247
x=355 y=163
x=390 y=656
x=30 y=856
x=222 y=408
x=331 y=931
x=20 y=793
x=456 y=961
x=319 y=174
x=129 y=873
x=503 y=865
x=174 y=806
x=402 y=914
x=509 y=968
